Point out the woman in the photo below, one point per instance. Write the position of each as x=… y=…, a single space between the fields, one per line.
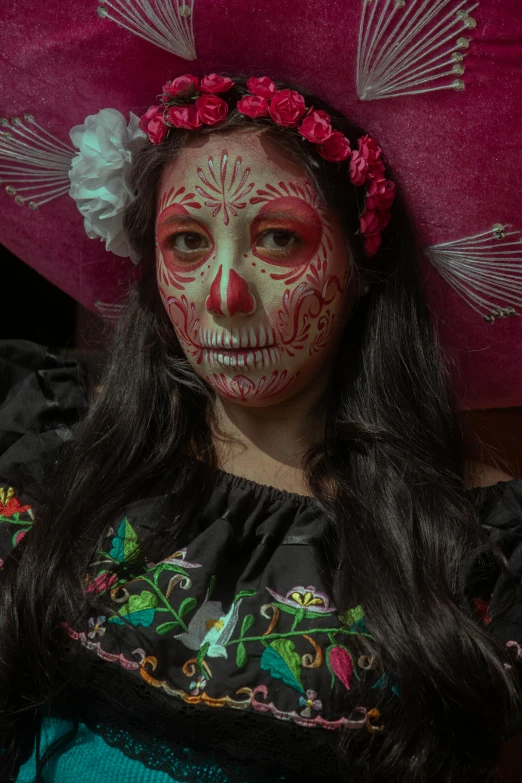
x=262 y=555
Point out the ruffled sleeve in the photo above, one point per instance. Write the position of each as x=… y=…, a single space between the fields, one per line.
x=500 y=513
x=42 y=397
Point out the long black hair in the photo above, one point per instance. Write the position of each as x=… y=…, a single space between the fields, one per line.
x=389 y=473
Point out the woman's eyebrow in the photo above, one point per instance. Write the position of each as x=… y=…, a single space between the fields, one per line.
x=178 y=220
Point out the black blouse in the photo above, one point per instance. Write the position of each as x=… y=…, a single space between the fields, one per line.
x=230 y=648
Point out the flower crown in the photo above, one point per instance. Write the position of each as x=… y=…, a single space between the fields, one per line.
x=187 y=102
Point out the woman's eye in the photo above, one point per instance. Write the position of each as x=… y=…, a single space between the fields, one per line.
x=188 y=242
x=279 y=240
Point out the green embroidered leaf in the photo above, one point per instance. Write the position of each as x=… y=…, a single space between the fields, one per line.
x=248 y=622
x=352 y=616
x=125 y=542
x=166 y=627
x=283 y=663
x=211 y=585
x=299 y=617
x=200 y=657
x=244 y=594
x=241 y=655
x=139 y=609
x=186 y=606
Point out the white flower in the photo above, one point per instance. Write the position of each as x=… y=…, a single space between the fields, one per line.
x=100 y=174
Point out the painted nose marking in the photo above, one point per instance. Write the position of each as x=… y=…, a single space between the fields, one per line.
x=230 y=299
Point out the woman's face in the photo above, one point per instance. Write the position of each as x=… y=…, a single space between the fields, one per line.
x=251 y=266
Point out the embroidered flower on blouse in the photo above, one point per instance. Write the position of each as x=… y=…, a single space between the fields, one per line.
x=307 y=598
x=198 y=686
x=9 y=504
x=311 y=702
x=178 y=558
x=211 y=628
x=96 y=628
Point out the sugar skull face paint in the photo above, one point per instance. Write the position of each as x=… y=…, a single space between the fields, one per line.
x=251 y=266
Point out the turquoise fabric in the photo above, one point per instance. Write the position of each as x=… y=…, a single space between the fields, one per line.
x=88 y=760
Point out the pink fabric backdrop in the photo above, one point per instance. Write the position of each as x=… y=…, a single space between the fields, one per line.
x=457 y=154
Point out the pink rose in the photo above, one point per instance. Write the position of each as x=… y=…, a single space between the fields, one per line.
x=368 y=222
x=185 y=117
x=380 y=194
x=253 y=106
x=372 y=243
x=181 y=87
x=157 y=130
x=287 y=107
x=149 y=115
x=261 y=85
x=211 y=109
x=336 y=148
x=358 y=168
x=316 y=127
x=215 y=83
x=369 y=149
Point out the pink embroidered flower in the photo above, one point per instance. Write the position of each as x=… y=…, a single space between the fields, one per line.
x=185 y=117
x=96 y=628
x=339 y=661
x=214 y=83
x=100 y=583
x=316 y=127
x=310 y=703
x=177 y=559
x=358 y=168
x=482 y=609
x=372 y=243
x=262 y=86
x=13 y=506
x=211 y=109
x=150 y=114
x=18 y=537
x=181 y=87
x=369 y=222
x=287 y=107
x=253 y=106
x=305 y=598
x=157 y=130
x=335 y=148
x=380 y=194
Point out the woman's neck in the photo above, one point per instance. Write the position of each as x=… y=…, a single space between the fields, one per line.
x=267 y=444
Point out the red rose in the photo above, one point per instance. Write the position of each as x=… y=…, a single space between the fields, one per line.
x=211 y=109
x=369 y=149
x=181 y=87
x=185 y=117
x=262 y=86
x=149 y=115
x=287 y=107
x=157 y=130
x=215 y=83
x=316 y=127
x=380 y=194
x=253 y=106
x=368 y=222
x=13 y=506
x=358 y=168
x=372 y=243
x=336 y=148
